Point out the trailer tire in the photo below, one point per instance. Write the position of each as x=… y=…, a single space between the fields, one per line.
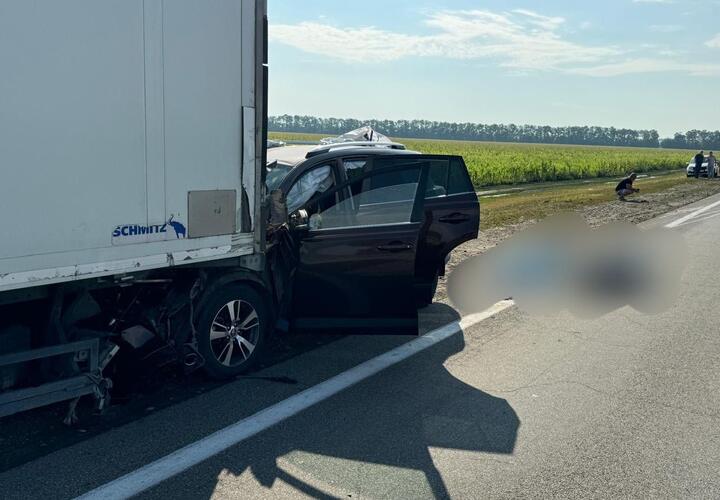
x=232 y=330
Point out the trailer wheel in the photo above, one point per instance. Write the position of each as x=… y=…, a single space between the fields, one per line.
x=231 y=330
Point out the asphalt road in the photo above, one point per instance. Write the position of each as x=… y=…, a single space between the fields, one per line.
x=513 y=406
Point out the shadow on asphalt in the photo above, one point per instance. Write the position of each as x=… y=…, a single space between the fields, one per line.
x=394 y=421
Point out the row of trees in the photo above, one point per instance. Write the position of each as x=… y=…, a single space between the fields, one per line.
x=694 y=139
x=425 y=129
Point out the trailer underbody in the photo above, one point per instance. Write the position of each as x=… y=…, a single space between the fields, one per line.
x=61 y=345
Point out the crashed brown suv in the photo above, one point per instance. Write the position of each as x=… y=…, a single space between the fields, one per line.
x=374 y=227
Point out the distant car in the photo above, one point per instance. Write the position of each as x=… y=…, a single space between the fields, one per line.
x=703 y=168
x=374 y=224
x=274 y=144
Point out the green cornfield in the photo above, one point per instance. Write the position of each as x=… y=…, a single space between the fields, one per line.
x=492 y=164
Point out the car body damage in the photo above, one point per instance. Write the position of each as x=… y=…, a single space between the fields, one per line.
x=354 y=240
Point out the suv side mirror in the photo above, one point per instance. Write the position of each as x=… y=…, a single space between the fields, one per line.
x=299 y=220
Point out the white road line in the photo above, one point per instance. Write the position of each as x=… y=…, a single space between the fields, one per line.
x=703 y=217
x=691 y=215
x=168 y=466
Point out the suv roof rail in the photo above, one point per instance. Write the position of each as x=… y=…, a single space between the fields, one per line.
x=324 y=148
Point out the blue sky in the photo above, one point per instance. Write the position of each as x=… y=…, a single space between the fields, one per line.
x=624 y=63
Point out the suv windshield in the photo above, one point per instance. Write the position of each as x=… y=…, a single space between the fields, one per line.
x=276 y=174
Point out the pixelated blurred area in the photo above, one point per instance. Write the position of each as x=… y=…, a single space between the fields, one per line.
x=561 y=264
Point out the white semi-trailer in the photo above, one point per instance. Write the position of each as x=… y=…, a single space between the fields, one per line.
x=132 y=145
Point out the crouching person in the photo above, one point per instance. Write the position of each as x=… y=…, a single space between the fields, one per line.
x=625 y=187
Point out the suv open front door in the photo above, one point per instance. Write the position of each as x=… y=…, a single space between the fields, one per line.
x=357 y=256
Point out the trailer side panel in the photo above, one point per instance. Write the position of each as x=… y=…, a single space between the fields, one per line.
x=113 y=114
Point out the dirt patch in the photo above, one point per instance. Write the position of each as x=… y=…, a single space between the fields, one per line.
x=642 y=208
x=656 y=203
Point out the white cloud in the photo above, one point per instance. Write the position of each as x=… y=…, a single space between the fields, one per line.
x=349 y=44
x=545 y=22
x=638 y=66
x=521 y=40
x=661 y=50
x=666 y=28
x=714 y=42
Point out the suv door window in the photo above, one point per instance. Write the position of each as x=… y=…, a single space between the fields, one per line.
x=438 y=167
x=354 y=168
x=378 y=198
x=437 y=178
x=311 y=184
x=459 y=180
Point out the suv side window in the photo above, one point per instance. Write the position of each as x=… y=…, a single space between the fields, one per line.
x=438 y=170
x=311 y=184
x=380 y=198
x=355 y=167
x=437 y=178
x=459 y=179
